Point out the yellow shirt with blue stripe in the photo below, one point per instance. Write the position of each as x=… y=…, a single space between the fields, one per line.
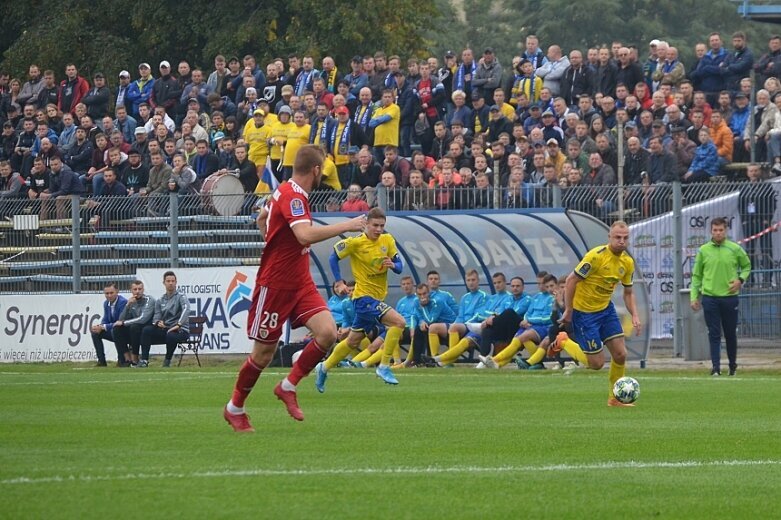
x=366 y=257
x=600 y=271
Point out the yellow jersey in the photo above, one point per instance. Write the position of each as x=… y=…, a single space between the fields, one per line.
x=331 y=175
x=388 y=132
x=296 y=137
x=319 y=130
x=257 y=139
x=279 y=133
x=600 y=271
x=366 y=256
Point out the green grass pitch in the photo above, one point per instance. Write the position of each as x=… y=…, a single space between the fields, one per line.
x=447 y=443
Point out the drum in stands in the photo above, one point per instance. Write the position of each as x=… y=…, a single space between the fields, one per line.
x=222 y=195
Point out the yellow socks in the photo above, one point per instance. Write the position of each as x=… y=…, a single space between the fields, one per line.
x=452 y=353
x=538 y=356
x=530 y=346
x=573 y=349
x=374 y=358
x=452 y=340
x=504 y=357
x=433 y=344
x=341 y=351
x=392 y=339
x=363 y=356
x=616 y=373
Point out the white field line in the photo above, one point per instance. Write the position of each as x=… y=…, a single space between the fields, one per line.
x=424 y=470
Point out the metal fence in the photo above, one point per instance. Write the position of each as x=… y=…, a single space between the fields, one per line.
x=73 y=245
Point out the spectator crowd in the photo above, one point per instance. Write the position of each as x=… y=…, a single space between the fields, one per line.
x=410 y=134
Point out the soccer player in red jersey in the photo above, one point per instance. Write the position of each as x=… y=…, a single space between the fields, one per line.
x=284 y=289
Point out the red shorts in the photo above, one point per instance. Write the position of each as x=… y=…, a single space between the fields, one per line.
x=271 y=308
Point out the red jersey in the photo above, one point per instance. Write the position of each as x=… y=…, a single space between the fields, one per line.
x=426 y=94
x=285 y=263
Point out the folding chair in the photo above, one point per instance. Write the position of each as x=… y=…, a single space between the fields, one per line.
x=193 y=342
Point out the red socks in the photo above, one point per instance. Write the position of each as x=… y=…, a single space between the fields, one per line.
x=248 y=376
x=310 y=357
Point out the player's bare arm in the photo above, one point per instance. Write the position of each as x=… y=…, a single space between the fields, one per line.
x=569 y=296
x=310 y=234
x=629 y=301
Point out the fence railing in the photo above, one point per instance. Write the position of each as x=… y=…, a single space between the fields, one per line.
x=72 y=245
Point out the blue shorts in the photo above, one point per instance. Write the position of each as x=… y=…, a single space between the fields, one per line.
x=593 y=329
x=368 y=313
x=541 y=330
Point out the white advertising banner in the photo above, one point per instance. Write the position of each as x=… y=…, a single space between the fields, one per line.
x=653 y=250
x=50 y=329
x=222 y=295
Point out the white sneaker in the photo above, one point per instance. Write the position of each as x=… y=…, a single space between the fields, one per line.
x=490 y=363
x=480 y=365
x=570 y=367
x=556 y=366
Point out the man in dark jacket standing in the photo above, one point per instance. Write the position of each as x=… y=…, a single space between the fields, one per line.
x=166 y=91
x=708 y=73
x=737 y=65
x=97 y=98
x=407 y=101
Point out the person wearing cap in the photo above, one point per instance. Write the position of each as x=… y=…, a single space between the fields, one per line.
x=498 y=124
x=72 y=89
x=445 y=75
x=135 y=174
x=166 y=90
x=140 y=91
x=551 y=128
x=738 y=121
x=526 y=82
x=256 y=134
x=488 y=76
x=287 y=92
x=408 y=102
x=480 y=117
x=279 y=137
x=532 y=119
x=357 y=78
x=344 y=134
x=98 y=97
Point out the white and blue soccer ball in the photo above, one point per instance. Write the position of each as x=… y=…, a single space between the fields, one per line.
x=626 y=390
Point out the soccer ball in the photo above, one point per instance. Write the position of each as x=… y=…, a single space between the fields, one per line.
x=626 y=390
x=295 y=356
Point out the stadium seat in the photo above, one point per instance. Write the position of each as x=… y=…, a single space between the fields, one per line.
x=193 y=343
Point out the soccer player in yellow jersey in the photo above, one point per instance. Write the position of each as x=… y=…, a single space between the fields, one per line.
x=279 y=132
x=256 y=134
x=588 y=307
x=371 y=255
x=297 y=136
